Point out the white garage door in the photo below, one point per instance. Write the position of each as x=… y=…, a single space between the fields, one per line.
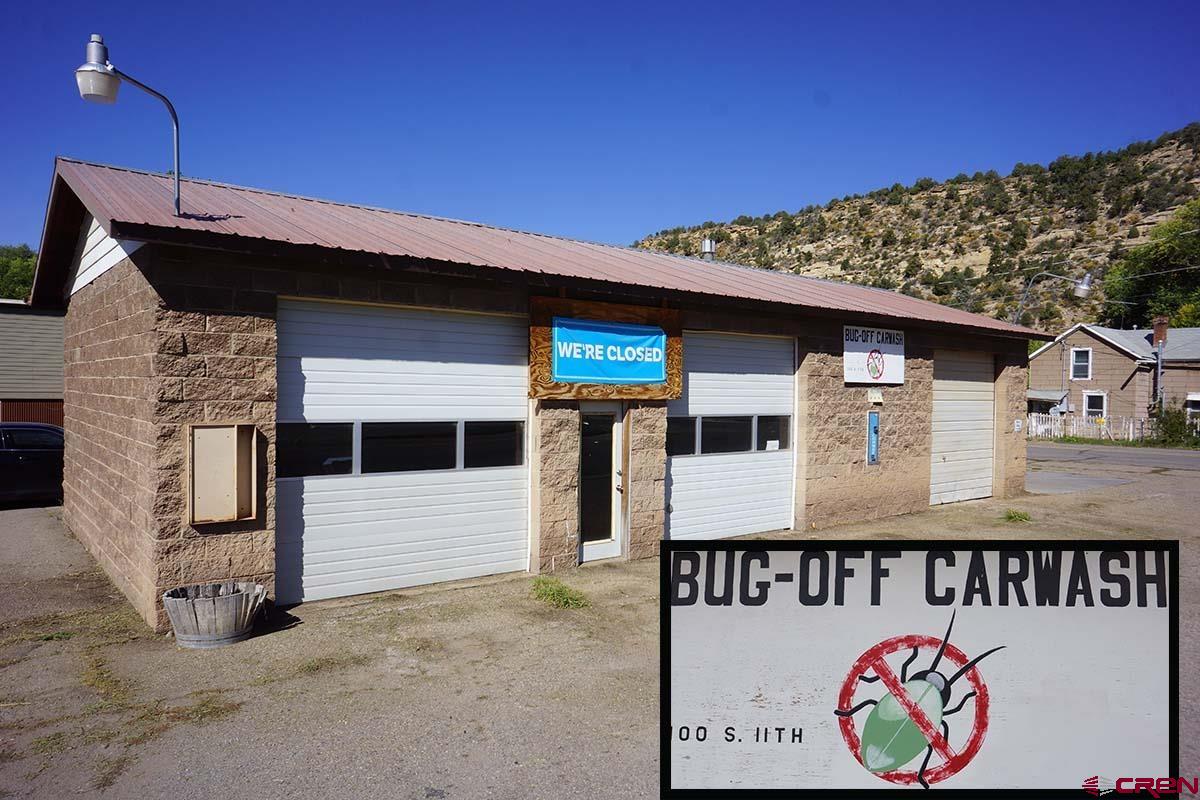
x=399 y=448
x=730 y=454
x=963 y=420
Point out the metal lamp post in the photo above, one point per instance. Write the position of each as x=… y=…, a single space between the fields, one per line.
x=1082 y=288
x=99 y=81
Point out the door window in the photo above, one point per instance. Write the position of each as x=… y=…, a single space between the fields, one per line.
x=596 y=478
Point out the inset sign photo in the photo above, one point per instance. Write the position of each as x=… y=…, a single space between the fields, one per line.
x=1022 y=666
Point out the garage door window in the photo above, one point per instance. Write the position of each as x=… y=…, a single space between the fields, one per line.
x=493 y=444
x=727 y=434
x=681 y=436
x=314 y=449
x=408 y=446
x=772 y=433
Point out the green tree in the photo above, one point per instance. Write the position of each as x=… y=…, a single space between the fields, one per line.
x=16 y=271
x=1159 y=277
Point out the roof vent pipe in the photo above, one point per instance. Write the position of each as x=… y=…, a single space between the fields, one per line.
x=708 y=249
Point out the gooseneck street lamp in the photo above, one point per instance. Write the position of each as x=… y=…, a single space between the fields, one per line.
x=99 y=80
x=1082 y=288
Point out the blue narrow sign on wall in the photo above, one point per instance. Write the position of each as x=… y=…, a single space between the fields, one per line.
x=872 y=437
x=590 y=351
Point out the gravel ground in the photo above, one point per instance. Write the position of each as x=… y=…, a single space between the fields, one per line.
x=465 y=690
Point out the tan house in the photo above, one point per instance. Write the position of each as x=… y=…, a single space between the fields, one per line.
x=1090 y=370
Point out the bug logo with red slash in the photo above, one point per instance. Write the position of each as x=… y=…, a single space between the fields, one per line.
x=910 y=718
x=875 y=364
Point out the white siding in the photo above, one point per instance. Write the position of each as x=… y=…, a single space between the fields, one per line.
x=31 y=355
x=348 y=534
x=716 y=495
x=340 y=361
x=97 y=253
x=728 y=494
x=730 y=374
x=963 y=421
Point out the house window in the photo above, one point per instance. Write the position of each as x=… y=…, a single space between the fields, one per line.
x=1081 y=363
x=1193 y=408
x=1095 y=404
x=325 y=448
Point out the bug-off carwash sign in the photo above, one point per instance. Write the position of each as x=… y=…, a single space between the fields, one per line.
x=875 y=665
x=872 y=355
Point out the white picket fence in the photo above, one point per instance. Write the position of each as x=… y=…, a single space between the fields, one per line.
x=1051 y=426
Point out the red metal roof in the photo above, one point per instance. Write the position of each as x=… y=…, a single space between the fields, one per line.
x=120 y=198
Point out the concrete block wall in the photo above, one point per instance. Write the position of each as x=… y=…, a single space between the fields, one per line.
x=111 y=441
x=645 y=480
x=835 y=483
x=214 y=361
x=1012 y=379
x=555 y=464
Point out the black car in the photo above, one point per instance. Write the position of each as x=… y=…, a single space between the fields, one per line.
x=31 y=461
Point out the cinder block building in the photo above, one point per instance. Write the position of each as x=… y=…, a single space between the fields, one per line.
x=333 y=399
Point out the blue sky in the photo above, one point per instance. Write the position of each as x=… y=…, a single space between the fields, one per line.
x=602 y=121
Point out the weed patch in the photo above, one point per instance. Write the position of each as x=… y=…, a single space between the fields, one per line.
x=558 y=594
x=324 y=663
x=51 y=744
x=108 y=770
x=1012 y=515
x=114 y=692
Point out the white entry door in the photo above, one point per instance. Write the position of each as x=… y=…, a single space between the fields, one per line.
x=400 y=448
x=963 y=426
x=601 y=480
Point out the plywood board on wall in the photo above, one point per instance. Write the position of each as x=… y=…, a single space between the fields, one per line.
x=543 y=310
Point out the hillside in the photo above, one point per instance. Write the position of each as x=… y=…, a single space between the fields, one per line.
x=975 y=240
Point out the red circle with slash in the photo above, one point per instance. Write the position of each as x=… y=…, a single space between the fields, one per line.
x=875 y=364
x=873 y=660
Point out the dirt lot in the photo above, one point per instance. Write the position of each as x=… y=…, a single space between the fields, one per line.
x=473 y=689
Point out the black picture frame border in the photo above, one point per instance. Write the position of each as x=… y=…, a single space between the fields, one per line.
x=670 y=547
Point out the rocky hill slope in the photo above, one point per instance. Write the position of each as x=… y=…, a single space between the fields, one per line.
x=974 y=241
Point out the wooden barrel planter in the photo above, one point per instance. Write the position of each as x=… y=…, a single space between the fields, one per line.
x=213 y=614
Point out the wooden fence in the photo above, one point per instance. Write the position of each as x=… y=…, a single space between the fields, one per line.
x=1051 y=426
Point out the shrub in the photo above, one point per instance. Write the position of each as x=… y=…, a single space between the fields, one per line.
x=1174 y=430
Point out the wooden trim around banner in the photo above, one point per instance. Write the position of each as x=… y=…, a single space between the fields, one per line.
x=543 y=310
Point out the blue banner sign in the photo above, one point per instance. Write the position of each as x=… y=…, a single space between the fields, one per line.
x=589 y=351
